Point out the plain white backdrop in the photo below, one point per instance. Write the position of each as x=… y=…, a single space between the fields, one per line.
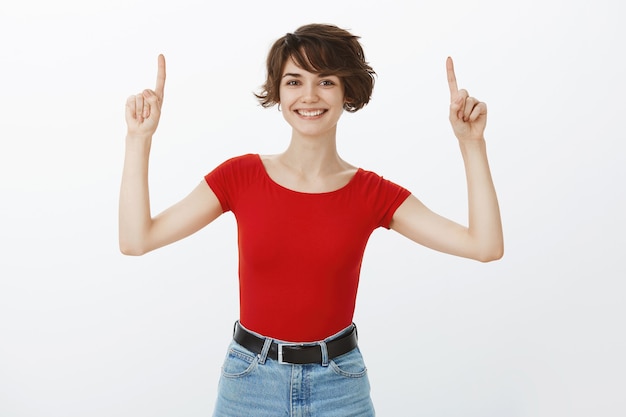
x=85 y=331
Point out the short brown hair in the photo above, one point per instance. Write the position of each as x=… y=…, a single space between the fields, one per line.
x=321 y=48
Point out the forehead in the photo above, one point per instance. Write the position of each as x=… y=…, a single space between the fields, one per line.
x=292 y=68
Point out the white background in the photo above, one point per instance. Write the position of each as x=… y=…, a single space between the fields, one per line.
x=85 y=331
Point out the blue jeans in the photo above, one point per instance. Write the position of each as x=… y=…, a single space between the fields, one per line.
x=254 y=385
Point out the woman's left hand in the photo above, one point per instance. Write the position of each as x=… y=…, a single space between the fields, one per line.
x=468 y=116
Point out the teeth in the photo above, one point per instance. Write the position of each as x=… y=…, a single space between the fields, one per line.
x=310 y=113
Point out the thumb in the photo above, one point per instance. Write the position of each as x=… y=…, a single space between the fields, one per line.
x=130 y=108
x=456 y=108
x=154 y=103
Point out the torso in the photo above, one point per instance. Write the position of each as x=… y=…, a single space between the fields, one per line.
x=301 y=243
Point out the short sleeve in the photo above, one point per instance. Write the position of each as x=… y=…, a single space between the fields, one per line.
x=393 y=195
x=381 y=196
x=229 y=178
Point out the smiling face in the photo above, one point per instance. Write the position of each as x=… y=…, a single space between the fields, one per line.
x=323 y=49
x=311 y=103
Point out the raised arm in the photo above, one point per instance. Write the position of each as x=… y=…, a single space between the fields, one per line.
x=139 y=232
x=482 y=239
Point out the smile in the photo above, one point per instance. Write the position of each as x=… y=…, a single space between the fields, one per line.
x=310 y=113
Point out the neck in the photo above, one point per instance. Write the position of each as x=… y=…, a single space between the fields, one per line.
x=313 y=155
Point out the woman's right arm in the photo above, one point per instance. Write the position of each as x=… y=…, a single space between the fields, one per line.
x=139 y=232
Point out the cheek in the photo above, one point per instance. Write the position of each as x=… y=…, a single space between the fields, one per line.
x=284 y=96
x=339 y=99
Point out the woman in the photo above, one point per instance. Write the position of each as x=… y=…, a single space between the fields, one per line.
x=304 y=217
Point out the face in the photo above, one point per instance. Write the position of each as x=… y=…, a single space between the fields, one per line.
x=311 y=103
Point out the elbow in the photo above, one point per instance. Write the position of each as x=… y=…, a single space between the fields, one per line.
x=130 y=249
x=492 y=254
x=131 y=252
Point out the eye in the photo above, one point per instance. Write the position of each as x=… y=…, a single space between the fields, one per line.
x=292 y=83
x=327 y=83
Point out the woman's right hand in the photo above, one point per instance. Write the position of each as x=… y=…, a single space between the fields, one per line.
x=143 y=110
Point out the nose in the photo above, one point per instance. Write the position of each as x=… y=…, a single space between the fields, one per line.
x=309 y=94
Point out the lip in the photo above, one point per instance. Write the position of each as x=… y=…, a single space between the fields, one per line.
x=310 y=113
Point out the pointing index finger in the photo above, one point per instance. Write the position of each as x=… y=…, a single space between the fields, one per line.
x=160 y=81
x=454 y=89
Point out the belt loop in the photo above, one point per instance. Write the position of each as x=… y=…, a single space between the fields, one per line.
x=266 y=348
x=324 y=353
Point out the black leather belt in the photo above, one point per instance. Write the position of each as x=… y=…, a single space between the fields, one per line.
x=300 y=354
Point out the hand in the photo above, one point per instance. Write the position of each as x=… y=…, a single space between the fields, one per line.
x=143 y=110
x=468 y=116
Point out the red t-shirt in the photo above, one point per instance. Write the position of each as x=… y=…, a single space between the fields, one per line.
x=300 y=253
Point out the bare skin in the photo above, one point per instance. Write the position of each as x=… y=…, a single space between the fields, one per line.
x=312 y=105
x=482 y=239
x=139 y=232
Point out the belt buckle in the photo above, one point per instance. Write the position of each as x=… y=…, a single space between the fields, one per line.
x=280 y=351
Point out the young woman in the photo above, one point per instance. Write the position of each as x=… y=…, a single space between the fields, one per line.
x=304 y=217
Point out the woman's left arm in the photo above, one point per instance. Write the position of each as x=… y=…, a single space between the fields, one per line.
x=482 y=239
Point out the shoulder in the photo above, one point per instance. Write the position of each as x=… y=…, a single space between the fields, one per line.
x=237 y=164
x=372 y=178
x=378 y=187
x=249 y=159
x=232 y=177
x=235 y=169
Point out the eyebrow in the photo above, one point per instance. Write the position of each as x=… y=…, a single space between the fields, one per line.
x=296 y=75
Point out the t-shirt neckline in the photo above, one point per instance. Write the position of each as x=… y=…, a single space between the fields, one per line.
x=271 y=180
